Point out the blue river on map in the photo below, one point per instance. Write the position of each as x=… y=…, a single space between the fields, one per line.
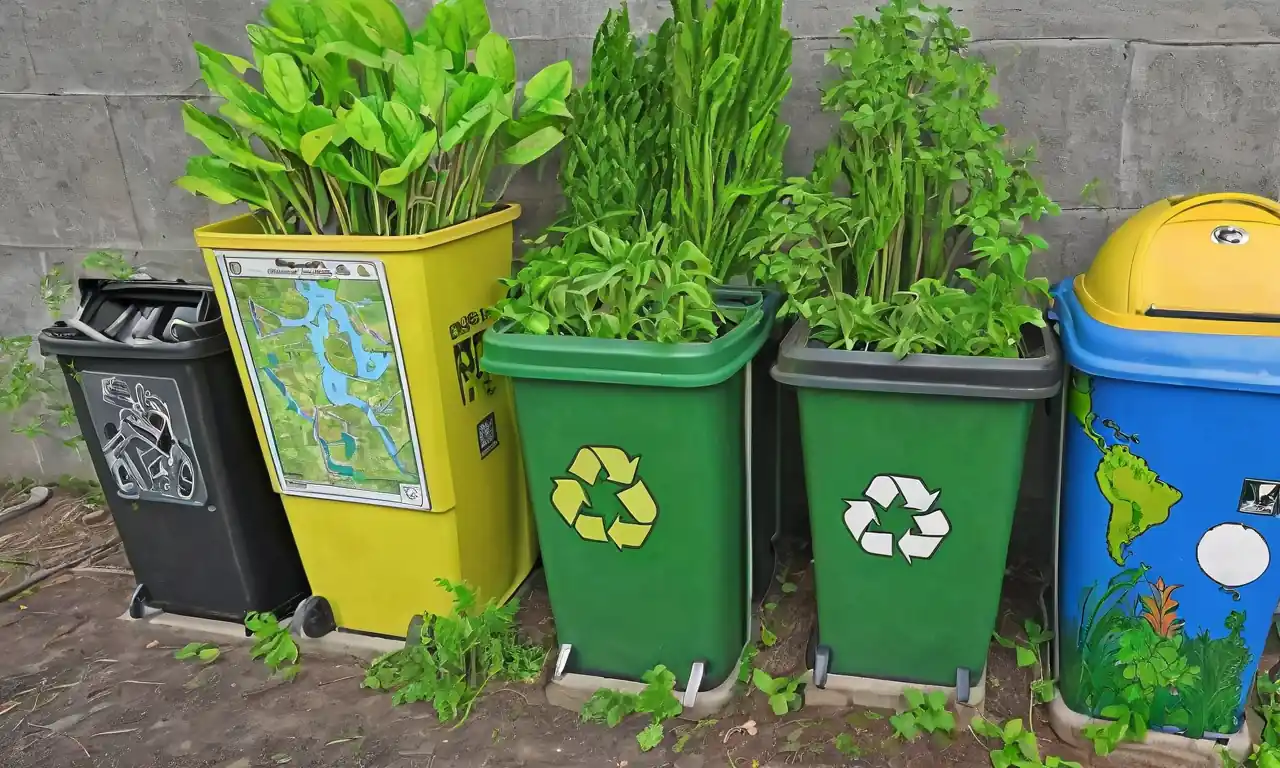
x=323 y=306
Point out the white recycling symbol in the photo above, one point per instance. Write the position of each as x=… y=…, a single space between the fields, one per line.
x=931 y=525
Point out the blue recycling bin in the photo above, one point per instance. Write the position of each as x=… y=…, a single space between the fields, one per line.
x=1171 y=469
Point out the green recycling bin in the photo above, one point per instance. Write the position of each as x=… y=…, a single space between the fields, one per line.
x=636 y=456
x=913 y=468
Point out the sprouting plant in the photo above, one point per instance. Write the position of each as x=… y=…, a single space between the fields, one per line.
x=112 y=263
x=925 y=712
x=784 y=693
x=845 y=745
x=1161 y=609
x=746 y=663
x=205 y=653
x=1030 y=653
x=456 y=656
x=1017 y=747
x=369 y=125
x=767 y=636
x=688 y=732
x=1266 y=752
x=657 y=700
x=55 y=290
x=273 y=644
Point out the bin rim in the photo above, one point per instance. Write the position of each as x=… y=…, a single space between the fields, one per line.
x=635 y=363
x=245 y=233
x=817 y=367
x=64 y=341
x=1210 y=360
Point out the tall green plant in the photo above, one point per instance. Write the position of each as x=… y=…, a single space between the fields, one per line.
x=908 y=235
x=365 y=126
x=674 y=151
x=731 y=69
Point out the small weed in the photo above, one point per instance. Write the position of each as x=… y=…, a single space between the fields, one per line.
x=796 y=750
x=1030 y=654
x=205 y=653
x=1266 y=753
x=924 y=713
x=846 y=746
x=767 y=636
x=273 y=644
x=456 y=656
x=788 y=587
x=745 y=663
x=783 y=692
x=687 y=733
x=1018 y=747
x=113 y=264
x=656 y=700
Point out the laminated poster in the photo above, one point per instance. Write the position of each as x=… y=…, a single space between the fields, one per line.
x=328 y=379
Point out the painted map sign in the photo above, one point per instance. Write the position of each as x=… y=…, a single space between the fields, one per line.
x=328 y=378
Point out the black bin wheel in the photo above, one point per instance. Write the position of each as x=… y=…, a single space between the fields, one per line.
x=138 y=602
x=313 y=618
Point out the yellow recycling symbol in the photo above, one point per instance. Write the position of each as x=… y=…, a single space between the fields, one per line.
x=569 y=497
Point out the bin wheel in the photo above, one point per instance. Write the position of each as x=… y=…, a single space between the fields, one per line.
x=313 y=618
x=821 y=665
x=962 y=685
x=138 y=602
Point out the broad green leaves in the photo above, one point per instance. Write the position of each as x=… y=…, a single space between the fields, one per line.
x=925 y=251
x=364 y=128
x=657 y=700
x=273 y=644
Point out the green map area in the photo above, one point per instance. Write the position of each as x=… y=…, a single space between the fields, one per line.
x=330 y=381
x=1139 y=498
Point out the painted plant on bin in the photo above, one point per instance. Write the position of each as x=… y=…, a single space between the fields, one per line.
x=366 y=127
x=674 y=153
x=908 y=236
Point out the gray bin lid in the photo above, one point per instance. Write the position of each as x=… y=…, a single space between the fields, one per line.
x=804 y=364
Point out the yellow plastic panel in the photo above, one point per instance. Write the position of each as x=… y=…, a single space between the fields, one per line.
x=1165 y=259
x=376 y=565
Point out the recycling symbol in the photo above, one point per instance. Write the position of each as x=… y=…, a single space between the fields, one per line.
x=570 y=497
x=931 y=525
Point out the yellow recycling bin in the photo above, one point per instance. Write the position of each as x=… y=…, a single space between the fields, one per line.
x=396 y=455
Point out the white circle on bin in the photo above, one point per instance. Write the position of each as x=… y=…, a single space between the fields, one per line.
x=1233 y=555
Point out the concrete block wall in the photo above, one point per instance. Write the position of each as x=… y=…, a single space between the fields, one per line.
x=1137 y=99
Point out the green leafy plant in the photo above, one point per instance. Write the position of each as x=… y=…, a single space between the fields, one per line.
x=616 y=289
x=205 y=653
x=657 y=700
x=456 y=656
x=674 y=151
x=908 y=236
x=33 y=391
x=1266 y=752
x=845 y=745
x=1030 y=654
x=746 y=663
x=273 y=644
x=925 y=712
x=382 y=129
x=1017 y=748
x=784 y=693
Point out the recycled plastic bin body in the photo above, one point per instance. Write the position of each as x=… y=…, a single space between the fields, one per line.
x=172 y=442
x=912 y=468
x=636 y=454
x=396 y=455
x=1171 y=473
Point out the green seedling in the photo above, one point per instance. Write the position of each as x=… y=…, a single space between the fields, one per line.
x=1017 y=748
x=205 y=653
x=657 y=700
x=273 y=644
x=1030 y=654
x=746 y=663
x=767 y=636
x=455 y=657
x=925 y=712
x=846 y=746
x=689 y=732
x=1266 y=752
x=784 y=693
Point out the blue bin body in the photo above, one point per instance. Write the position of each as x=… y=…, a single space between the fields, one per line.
x=1170 y=495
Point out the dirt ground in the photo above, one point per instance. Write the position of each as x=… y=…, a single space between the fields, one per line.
x=81 y=687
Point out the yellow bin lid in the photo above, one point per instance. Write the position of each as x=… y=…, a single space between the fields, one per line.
x=1200 y=264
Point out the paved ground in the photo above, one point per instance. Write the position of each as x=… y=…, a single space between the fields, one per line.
x=79 y=687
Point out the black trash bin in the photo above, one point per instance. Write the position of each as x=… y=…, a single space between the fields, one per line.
x=159 y=402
